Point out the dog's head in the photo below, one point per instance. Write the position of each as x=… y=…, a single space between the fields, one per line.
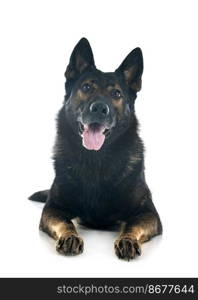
x=100 y=105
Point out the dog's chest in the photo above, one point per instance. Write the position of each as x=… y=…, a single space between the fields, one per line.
x=95 y=180
x=96 y=194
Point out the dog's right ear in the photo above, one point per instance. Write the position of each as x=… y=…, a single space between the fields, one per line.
x=81 y=59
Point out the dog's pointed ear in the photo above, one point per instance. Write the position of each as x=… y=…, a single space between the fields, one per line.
x=131 y=69
x=80 y=60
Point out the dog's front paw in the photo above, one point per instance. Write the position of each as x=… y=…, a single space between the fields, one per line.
x=127 y=248
x=70 y=245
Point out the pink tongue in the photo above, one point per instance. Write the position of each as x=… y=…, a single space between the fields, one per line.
x=93 y=140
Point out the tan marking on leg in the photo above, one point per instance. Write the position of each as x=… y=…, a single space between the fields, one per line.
x=128 y=244
x=63 y=231
x=144 y=228
x=61 y=228
x=54 y=224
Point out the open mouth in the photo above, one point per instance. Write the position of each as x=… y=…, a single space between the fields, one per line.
x=93 y=135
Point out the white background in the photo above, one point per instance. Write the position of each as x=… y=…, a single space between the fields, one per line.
x=36 y=40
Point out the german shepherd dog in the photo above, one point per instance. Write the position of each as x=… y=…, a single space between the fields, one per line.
x=99 y=159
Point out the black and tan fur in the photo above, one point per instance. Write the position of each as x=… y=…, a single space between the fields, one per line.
x=105 y=188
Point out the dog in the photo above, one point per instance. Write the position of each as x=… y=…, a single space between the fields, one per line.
x=99 y=159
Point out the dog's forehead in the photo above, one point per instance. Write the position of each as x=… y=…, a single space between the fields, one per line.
x=102 y=79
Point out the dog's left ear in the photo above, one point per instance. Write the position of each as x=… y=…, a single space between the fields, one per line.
x=81 y=59
x=132 y=69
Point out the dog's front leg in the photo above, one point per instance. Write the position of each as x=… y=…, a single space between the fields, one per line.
x=135 y=232
x=57 y=225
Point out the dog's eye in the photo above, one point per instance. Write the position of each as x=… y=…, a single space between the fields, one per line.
x=116 y=94
x=86 y=87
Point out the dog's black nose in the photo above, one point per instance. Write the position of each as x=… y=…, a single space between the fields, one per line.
x=100 y=108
